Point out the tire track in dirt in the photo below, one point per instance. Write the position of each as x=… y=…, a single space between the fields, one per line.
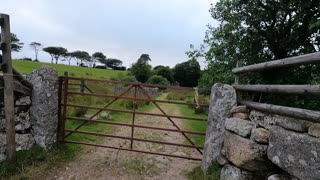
x=101 y=163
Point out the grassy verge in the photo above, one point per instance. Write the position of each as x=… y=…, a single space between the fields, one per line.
x=28 y=66
x=213 y=172
x=38 y=160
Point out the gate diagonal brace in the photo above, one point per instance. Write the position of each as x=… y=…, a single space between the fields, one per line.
x=98 y=112
x=173 y=123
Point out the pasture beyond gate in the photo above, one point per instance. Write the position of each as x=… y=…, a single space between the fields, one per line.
x=92 y=101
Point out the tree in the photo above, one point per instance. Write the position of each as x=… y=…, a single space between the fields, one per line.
x=165 y=72
x=156 y=79
x=98 y=56
x=80 y=56
x=16 y=45
x=36 y=47
x=113 y=63
x=68 y=57
x=260 y=31
x=55 y=52
x=187 y=73
x=141 y=69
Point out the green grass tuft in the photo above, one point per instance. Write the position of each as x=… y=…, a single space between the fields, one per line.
x=213 y=173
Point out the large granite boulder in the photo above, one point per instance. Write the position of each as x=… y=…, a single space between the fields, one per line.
x=245 y=153
x=239 y=126
x=44 y=108
x=222 y=100
x=229 y=172
x=296 y=153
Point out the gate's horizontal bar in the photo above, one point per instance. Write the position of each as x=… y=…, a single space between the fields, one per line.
x=133 y=83
x=135 y=139
x=133 y=150
x=138 y=99
x=138 y=126
x=131 y=112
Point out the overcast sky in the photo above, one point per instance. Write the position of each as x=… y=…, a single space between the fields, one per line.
x=122 y=29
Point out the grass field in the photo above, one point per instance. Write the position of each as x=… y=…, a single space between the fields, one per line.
x=28 y=66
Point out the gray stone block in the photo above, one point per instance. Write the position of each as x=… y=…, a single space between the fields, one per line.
x=229 y=172
x=296 y=153
x=314 y=130
x=245 y=153
x=239 y=126
x=44 y=108
x=222 y=100
x=260 y=135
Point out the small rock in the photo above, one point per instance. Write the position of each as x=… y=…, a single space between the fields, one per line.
x=88 y=116
x=239 y=126
x=279 y=177
x=23 y=101
x=240 y=115
x=261 y=119
x=222 y=160
x=239 y=109
x=260 y=135
x=178 y=153
x=104 y=115
x=314 y=130
x=229 y=172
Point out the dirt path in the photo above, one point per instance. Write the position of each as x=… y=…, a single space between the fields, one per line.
x=102 y=163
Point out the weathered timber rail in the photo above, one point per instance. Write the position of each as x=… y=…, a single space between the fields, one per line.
x=311 y=90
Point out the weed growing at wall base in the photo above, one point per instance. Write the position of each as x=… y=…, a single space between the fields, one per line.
x=212 y=173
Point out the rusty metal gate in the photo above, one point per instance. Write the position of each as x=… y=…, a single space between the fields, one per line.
x=72 y=89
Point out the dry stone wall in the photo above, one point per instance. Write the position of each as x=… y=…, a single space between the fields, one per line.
x=257 y=145
x=36 y=116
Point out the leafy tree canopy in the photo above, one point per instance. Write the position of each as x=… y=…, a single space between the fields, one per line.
x=80 y=56
x=113 y=63
x=36 y=47
x=141 y=69
x=258 y=31
x=99 y=56
x=16 y=45
x=55 y=52
x=187 y=73
x=164 y=71
x=156 y=79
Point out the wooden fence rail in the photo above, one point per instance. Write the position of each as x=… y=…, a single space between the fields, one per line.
x=312 y=90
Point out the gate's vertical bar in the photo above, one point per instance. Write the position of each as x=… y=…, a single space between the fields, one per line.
x=6 y=68
x=60 y=118
x=65 y=102
x=134 y=104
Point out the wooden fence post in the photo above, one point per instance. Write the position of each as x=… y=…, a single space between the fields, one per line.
x=82 y=86
x=8 y=87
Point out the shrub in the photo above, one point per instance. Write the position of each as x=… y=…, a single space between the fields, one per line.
x=100 y=67
x=156 y=79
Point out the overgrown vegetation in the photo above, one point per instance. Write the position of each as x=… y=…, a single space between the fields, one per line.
x=213 y=173
x=261 y=31
x=37 y=157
